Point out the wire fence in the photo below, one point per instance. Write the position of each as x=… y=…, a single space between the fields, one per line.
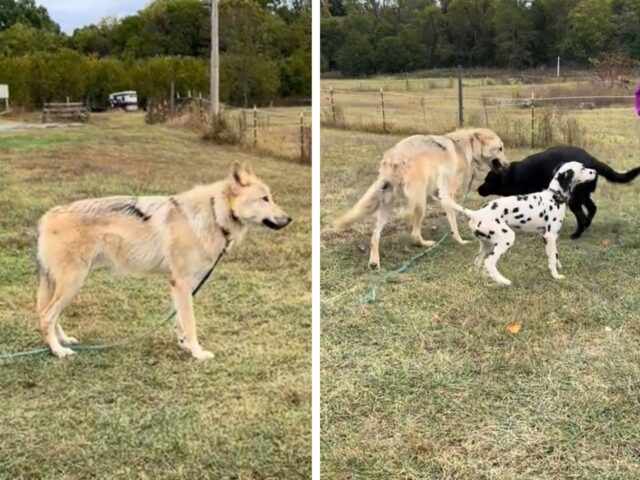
x=521 y=120
x=280 y=132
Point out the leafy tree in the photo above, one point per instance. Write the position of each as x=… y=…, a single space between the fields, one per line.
x=626 y=34
x=550 y=20
x=247 y=78
x=514 y=33
x=392 y=56
x=590 y=28
x=265 y=51
x=332 y=37
x=425 y=35
x=21 y=39
x=471 y=33
x=95 y=39
x=27 y=13
x=356 y=57
x=359 y=37
x=336 y=8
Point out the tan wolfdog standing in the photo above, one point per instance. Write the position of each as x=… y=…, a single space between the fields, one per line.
x=180 y=236
x=412 y=169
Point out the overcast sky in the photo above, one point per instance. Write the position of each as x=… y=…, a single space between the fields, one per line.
x=71 y=14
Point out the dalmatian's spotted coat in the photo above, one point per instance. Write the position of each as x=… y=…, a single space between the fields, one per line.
x=541 y=212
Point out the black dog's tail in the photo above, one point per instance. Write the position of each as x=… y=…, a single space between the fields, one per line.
x=610 y=174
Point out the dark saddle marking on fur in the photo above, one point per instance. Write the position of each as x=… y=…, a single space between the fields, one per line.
x=174 y=202
x=131 y=209
x=437 y=143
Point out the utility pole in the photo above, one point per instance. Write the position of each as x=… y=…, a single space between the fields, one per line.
x=215 y=64
x=558 y=68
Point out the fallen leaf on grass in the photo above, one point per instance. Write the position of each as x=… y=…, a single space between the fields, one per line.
x=423 y=453
x=514 y=327
x=605 y=243
x=362 y=309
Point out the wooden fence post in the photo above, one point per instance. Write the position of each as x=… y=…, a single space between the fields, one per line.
x=333 y=108
x=384 y=120
x=486 y=114
x=533 y=109
x=460 y=98
x=255 y=126
x=173 y=96
x=301 y=137
x=424 y=113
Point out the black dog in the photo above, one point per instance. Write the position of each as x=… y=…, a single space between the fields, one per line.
x=534 y=173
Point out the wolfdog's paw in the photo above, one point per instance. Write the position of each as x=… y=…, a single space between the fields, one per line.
x=419 y=242
x=202 y=355
x=558 y=276
x=69 y=340
x=63 y=352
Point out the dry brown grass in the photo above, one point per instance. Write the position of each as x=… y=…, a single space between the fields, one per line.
x=504 y=107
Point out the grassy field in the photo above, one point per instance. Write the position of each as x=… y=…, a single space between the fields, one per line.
x=146 y=411
x=447 y=376
x=412 y=106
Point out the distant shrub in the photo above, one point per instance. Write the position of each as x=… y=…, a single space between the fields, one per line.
x=222 y=132
x=513 y=132
x=551 y=127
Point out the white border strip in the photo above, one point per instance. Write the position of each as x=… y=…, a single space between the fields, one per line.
x=315 y=234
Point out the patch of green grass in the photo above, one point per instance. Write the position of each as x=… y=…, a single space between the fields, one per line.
x=427 y=382
x=147 y=410
x=43 y=140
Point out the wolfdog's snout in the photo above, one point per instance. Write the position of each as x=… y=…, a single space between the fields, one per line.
x=277 y=223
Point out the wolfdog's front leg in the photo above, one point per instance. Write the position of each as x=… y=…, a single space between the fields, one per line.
x=182 y=301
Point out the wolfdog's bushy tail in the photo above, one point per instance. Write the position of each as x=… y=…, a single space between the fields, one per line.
x=46 y=285
x=368 y=204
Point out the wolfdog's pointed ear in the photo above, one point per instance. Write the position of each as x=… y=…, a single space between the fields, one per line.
x=475 y=141
x=247 y=168
x=239 y=174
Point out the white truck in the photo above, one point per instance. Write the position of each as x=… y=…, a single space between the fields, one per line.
x=127 y=101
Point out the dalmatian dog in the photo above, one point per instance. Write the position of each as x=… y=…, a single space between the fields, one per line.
x=541 y=212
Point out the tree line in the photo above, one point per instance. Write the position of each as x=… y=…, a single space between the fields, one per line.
x=363 y=37
x=265 y=52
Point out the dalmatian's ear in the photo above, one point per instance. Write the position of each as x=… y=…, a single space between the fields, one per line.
x=565 y=178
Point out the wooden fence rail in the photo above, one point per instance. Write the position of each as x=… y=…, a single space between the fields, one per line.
x=64 y=112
